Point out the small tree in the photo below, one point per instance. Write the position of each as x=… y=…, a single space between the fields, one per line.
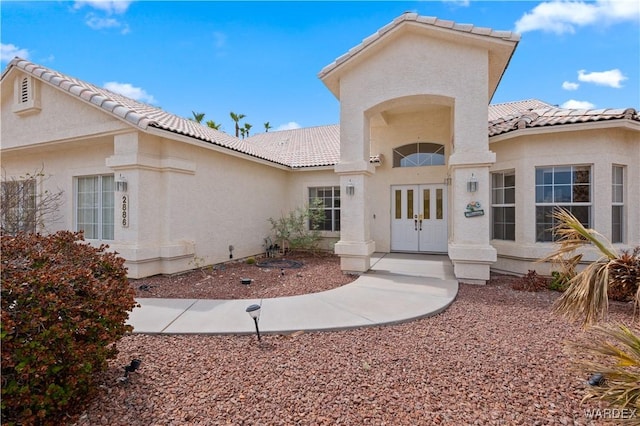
x=267 y=126
x=23 y=208
x=300 y=227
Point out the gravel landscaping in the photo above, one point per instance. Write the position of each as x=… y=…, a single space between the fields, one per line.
x=494 y=357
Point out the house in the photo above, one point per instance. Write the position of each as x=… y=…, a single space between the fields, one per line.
x=420 y=162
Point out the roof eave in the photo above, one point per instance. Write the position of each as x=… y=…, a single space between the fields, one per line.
x=623 y=123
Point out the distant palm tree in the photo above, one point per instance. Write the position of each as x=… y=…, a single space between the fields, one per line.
x=197 y=116
x=267 y=126
x=236 y=118
x=247 y=127
x=212 y=124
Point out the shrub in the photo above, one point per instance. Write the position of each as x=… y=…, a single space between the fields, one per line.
x=251 y=260
x=530 y=282
x=300 y=228
x=559 y=281
x=64 y=305
x=624 y=276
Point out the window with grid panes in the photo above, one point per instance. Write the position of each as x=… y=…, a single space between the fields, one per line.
x=617 y=204
x=503 y=206
x=95 y=206
x=330 y=198
x=568 y=187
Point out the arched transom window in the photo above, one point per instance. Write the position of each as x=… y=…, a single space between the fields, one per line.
x=418 y=154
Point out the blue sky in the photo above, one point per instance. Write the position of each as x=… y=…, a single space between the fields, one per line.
x=261 y=59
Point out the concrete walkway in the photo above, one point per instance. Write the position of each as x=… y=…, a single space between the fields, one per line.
x=398 y=288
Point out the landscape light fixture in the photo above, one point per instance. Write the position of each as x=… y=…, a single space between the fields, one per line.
x=472 y=184
x=254 y=312
x=596 y=380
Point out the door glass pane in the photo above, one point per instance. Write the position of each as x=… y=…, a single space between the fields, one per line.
x=398 y=204
x=426 y=203
x=439 y=204
x=409 y=203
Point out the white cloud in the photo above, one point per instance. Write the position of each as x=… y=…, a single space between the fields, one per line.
x=10 y=51
x=611 y=78
x=289 y=126
x=564 y=16
x=573 y=104
x=97 y=23
x=460 y=3
x=568 y=85
x=126 y=89
x=109 y=6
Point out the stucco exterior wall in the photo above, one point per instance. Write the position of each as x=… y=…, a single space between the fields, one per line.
x=59 y=119
x=598 y=148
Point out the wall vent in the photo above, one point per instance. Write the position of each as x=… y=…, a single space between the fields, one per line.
x=26 y=96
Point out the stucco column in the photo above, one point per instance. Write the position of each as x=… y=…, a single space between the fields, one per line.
x=355 y=246
x=470 y=250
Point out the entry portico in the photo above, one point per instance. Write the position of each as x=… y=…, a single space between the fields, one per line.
x=419 y=82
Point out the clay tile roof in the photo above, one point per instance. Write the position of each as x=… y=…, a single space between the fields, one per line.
x=137 y=113
x=298 y=148
x=508 y=117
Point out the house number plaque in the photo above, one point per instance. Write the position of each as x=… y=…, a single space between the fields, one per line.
x=124 y=210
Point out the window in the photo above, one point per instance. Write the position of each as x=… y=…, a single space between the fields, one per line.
x=568 y=187
x=18 y=206
x=330 y=197
x=617 y=205
x=95 y=207
x=418 y=154
x=503 y=206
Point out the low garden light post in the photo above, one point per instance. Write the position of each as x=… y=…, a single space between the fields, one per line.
x=254 y=312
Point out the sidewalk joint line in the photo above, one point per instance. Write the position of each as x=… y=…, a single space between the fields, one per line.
x=182 y=313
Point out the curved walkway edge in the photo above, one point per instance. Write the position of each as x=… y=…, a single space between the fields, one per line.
x=398 y=288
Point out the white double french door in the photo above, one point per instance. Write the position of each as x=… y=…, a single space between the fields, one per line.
x=419 y=218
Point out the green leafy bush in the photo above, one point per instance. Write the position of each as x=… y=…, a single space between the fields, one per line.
x=559 y=281
x=64 y=305
x=300 y=228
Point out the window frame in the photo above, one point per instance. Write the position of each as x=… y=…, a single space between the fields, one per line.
x=501 y=202
x=100 y=220
x=334 y=210
x=559 y=186
x=426 y=150
x=617 y=204
x=25 y=192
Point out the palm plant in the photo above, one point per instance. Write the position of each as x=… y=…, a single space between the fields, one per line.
x=620 y=386
x=586 y=297
x=197 y=116
x=614 y=351
x=236 y=119
x=267 y=126
x=247 y=127
x=213 y=125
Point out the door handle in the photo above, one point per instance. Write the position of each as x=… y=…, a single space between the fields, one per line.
x=420 y=219
x=415 y=222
